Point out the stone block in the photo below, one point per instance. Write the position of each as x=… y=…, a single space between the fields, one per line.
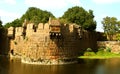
x=30 y=26
x=10 y=31
x=46 y=26
x=71 y=27
x=40 y=26
x=18 y=31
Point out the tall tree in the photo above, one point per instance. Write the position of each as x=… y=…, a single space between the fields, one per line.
x=36 y=15
x=110 y=26
x=81 y=17
x=33 y=15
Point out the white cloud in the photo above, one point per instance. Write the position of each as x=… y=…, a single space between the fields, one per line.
x=52 y=4
x=13 y=2
x=8 y=16
x=105 y=1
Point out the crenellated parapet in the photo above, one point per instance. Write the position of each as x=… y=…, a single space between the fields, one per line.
x=53 y=29
x=11 y=32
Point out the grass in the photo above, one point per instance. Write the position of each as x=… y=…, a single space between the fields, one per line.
x=99 y=55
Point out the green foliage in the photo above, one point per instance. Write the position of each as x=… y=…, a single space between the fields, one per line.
x=108 y=49
x=110 y=25
x=118 y=37
x=63 y=21
x=81 y=17
x=15 y=23
x=100 y=54
x=36 y=15
x=89 y=50
x=101 y=49
x=89 y=54
x=33 y=15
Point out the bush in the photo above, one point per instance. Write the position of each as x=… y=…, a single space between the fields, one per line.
x=101 y=49
x=89 y=54
x=100 y=53
x=117 y=37
x=89 y=50
x=108 y=49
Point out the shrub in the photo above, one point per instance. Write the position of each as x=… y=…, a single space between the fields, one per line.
x=100 y=51
x=89 y=54
x=89 y=50
x=118 y=37
x=108 y=49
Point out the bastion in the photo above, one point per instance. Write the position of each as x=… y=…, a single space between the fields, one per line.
x=49 y=43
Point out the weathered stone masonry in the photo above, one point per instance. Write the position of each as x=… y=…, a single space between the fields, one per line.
x=50 y=43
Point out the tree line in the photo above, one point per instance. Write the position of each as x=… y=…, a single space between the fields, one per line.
x=75 y=14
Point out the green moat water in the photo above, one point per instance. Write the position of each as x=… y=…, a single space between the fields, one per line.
x=85 y=66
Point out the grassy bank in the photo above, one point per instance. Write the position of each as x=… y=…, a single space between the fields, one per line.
x=101 y=54
x=99 y=57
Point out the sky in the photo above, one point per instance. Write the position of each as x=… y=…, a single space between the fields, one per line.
x=13 y=9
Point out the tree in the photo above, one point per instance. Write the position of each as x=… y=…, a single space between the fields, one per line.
x=81 y=17
x=15 y=23
x=118 y=26
x=110 y=26
x=32 y=15
x=36 y=15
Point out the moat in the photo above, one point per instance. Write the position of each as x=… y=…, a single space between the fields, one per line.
x=85 y=66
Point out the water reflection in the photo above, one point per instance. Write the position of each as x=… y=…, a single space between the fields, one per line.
x=85 y=66
x=4 y=65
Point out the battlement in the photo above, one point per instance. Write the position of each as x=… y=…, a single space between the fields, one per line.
x=51 y=28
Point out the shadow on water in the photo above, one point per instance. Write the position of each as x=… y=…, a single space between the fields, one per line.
x=4 y=65
x=85 y=66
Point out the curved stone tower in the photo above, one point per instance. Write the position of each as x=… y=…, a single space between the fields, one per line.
x=50 y=43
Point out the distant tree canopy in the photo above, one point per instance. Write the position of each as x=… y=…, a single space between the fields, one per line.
x=33 y=15
x=81 y=17
x=15 y=23
x=111 y=26
x=36 y=15
x=75 y=14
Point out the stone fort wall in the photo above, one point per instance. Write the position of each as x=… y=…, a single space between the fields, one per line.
x=35 y=45
x=113 y=45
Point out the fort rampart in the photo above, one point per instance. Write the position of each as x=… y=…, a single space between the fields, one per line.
x=50 y=43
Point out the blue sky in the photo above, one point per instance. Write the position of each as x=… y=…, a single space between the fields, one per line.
x=12 y=9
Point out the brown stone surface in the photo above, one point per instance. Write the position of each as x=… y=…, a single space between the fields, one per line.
x=113 y=45
x=38 y=45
